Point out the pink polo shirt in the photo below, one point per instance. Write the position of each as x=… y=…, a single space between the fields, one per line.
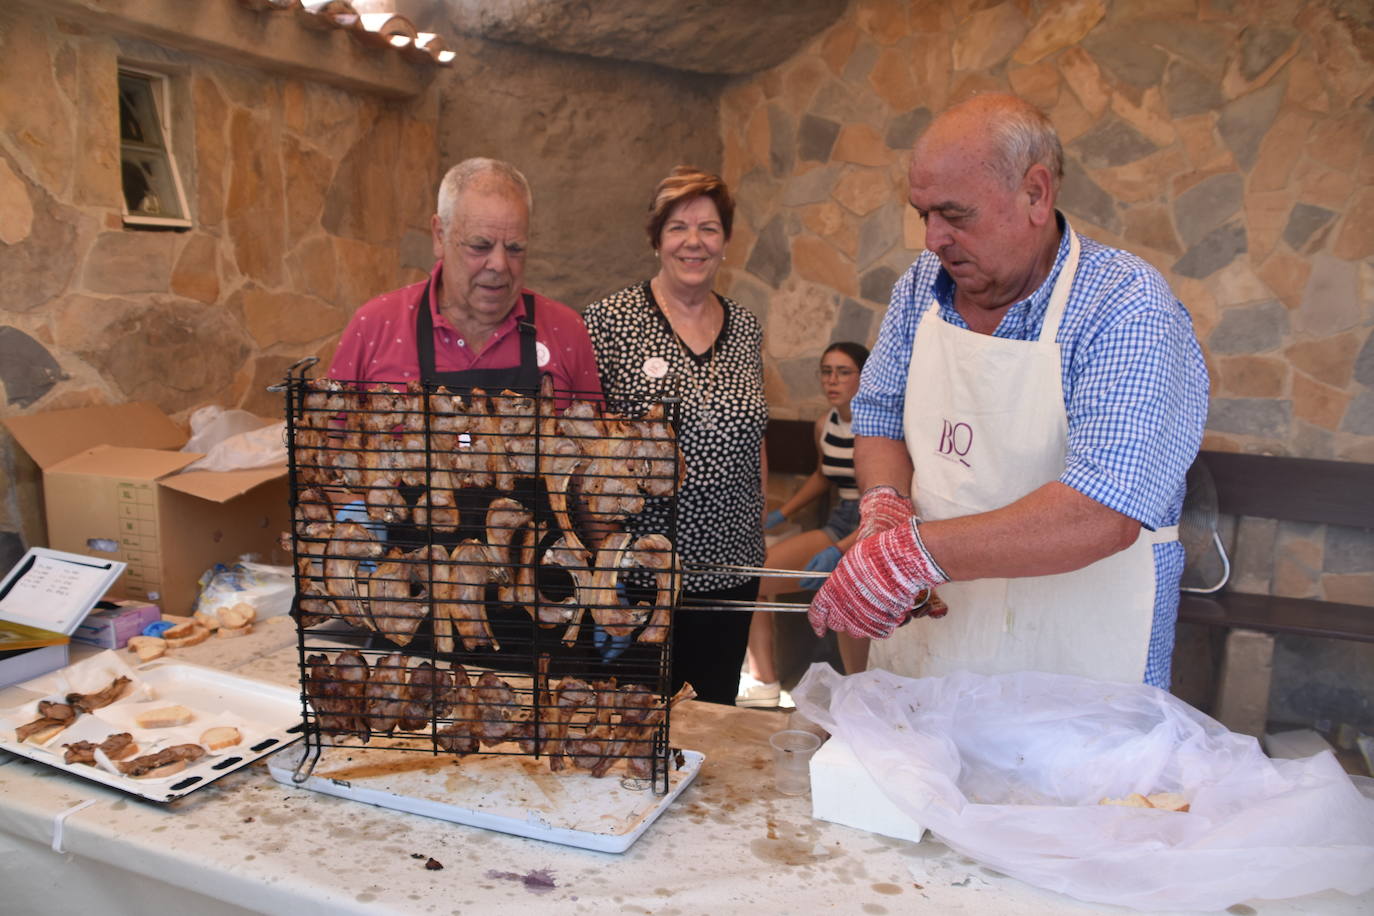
x=379 y=342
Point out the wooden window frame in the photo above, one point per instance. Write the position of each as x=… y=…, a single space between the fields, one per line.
x=160 y=91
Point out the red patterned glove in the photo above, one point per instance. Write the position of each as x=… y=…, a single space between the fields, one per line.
x=881 y=508
x=872 y=590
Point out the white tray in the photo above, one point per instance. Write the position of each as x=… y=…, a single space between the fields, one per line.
x=268 y=716
x=510 y=794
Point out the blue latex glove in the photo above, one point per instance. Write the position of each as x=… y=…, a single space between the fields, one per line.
x=774 y=519
x=356 y=512
x=608 y=646
x=825 y=561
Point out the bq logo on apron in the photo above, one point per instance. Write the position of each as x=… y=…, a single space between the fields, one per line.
x=985 y=425
x=956 y=439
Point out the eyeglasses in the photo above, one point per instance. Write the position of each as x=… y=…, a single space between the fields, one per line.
x=839 y=372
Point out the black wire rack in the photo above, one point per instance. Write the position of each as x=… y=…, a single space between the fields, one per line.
x=473 y=575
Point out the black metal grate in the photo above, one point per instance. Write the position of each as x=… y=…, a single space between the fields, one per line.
x=447 y=599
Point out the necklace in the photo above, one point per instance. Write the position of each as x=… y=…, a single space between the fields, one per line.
x=705 y=409
x=706 y=412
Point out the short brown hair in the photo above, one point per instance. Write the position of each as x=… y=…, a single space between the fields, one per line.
x=684 y=183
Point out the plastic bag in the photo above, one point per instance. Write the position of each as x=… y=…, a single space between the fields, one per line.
x=269 y=589
x=212 y=424
x=234 y=440
x=1010 y=769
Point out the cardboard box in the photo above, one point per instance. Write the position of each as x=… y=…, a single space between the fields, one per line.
x=112 y=488
x=112 y=623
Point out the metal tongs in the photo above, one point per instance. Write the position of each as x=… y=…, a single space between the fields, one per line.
x=762 y=572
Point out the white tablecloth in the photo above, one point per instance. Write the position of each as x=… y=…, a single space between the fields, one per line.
x=729 y=844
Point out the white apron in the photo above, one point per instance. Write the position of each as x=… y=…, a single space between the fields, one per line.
x=985 y=424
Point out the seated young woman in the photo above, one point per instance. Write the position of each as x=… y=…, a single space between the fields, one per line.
x=819 y=549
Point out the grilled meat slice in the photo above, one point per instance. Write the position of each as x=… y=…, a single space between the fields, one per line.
x=386 y=693
x=348 y=543
x=604 y=600
x=654 y=551
x=392 y=610
x=140 y=766
x=569 y=554
x=459 y=597
x=461 y=736
x=428 y=695
x=89 y=702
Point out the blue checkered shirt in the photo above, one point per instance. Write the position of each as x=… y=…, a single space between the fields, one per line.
x=1135 y=389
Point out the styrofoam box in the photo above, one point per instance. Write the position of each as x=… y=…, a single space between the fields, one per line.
x=843 y=792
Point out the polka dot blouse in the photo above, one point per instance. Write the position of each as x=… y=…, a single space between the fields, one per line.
x=720 y=425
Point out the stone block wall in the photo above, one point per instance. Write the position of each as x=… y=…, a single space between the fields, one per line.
x=1228 y=142
x=594 y=137
x=306 y=201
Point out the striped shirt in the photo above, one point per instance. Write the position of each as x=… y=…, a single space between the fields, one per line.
x=837 y=455
x=1135 y=390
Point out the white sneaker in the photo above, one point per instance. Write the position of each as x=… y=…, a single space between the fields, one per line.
x=760 y=695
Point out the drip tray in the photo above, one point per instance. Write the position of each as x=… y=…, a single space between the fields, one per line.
x=511 y=794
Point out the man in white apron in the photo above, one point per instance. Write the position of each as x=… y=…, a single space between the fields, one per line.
x=1041 y=397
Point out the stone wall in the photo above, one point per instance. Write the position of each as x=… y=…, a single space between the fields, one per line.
x=594 y=137
x=306 y=200
x=1231 y=144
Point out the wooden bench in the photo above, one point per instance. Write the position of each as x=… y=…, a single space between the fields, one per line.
x=791 y=446
x=1285 y=489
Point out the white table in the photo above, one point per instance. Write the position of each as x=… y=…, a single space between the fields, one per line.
x=729 y=844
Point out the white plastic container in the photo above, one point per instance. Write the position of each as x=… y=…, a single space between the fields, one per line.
x=842 y=792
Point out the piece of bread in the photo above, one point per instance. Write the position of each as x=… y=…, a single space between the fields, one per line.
x=221 y=736
x=164 y=717
x=180 y=630
x=232 y=617
x=247 y=610
x=1168 y=801
x=148 y=647
x=197 y=634
x=231 y=632
x=42 y=735
x=167 y=769
x=1134 y=800
x=1164 y=801
x=206 y=619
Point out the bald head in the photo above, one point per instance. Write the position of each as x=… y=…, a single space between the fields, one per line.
x=1007 y=133
x=983 y=178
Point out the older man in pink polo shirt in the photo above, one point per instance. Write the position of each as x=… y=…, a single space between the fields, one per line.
x=472 y=324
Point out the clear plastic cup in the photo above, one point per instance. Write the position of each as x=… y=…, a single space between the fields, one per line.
x=798 y=722
x=792 y=750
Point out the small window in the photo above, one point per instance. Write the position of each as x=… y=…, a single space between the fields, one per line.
x=153 y=194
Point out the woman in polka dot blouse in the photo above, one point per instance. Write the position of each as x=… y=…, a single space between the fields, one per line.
x=673 y=336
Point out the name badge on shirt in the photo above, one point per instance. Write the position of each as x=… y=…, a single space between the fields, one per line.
x=655 y=367
x=541 y=354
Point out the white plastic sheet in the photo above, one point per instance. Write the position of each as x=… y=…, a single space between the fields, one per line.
x=1010 y=769
x=234 y=440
